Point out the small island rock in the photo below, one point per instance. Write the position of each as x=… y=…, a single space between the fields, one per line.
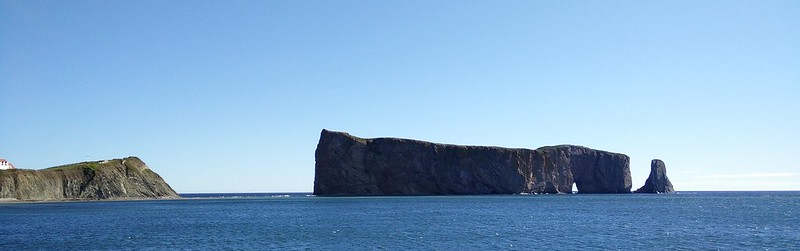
x=657 y=182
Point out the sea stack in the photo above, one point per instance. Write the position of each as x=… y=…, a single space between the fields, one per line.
x=657 y=182
x=351 y=166
x=117 y=179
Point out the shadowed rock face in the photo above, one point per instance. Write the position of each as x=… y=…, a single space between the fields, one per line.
x=657 y=182
x=348 y=165
x=127 y=178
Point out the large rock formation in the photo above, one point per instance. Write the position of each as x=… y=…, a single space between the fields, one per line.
x=348 y=165
x=127 y=178
x=657 y=182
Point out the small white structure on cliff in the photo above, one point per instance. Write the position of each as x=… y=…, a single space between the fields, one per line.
x=5 y=165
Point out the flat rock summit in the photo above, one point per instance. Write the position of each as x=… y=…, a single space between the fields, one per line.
x=350 y=166
x=117 y=179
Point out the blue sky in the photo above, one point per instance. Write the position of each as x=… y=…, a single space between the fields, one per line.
x=230 y=96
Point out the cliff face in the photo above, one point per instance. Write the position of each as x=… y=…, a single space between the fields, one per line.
x=348 y=165
x=127 y=178
x=657 y=182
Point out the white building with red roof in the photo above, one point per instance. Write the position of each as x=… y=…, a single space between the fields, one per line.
x=5 y=165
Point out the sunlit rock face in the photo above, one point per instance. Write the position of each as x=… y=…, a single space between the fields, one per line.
x=117 y=179
x=350 y=166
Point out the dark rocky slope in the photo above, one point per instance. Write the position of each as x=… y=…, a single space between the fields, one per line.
x=657 y=182
x=127 y=178
x=348 y=165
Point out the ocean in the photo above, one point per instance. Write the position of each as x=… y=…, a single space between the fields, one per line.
x=685 y=220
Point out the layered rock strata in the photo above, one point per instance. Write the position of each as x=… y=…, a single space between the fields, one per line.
x=351 y=166
x=116 y=179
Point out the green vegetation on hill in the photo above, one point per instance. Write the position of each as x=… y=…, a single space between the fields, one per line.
x=91 y=165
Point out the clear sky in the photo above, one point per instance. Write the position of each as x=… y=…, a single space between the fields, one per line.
x=230 y=96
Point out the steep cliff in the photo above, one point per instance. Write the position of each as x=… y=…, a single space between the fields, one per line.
x=657 y=182
x=127 y=178
x=348 y=165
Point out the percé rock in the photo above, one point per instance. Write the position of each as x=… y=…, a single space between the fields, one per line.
x=348 y=165
x=116 y=179
x=657 y=182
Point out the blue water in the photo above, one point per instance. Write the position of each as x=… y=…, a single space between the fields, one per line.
x=693 y=220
